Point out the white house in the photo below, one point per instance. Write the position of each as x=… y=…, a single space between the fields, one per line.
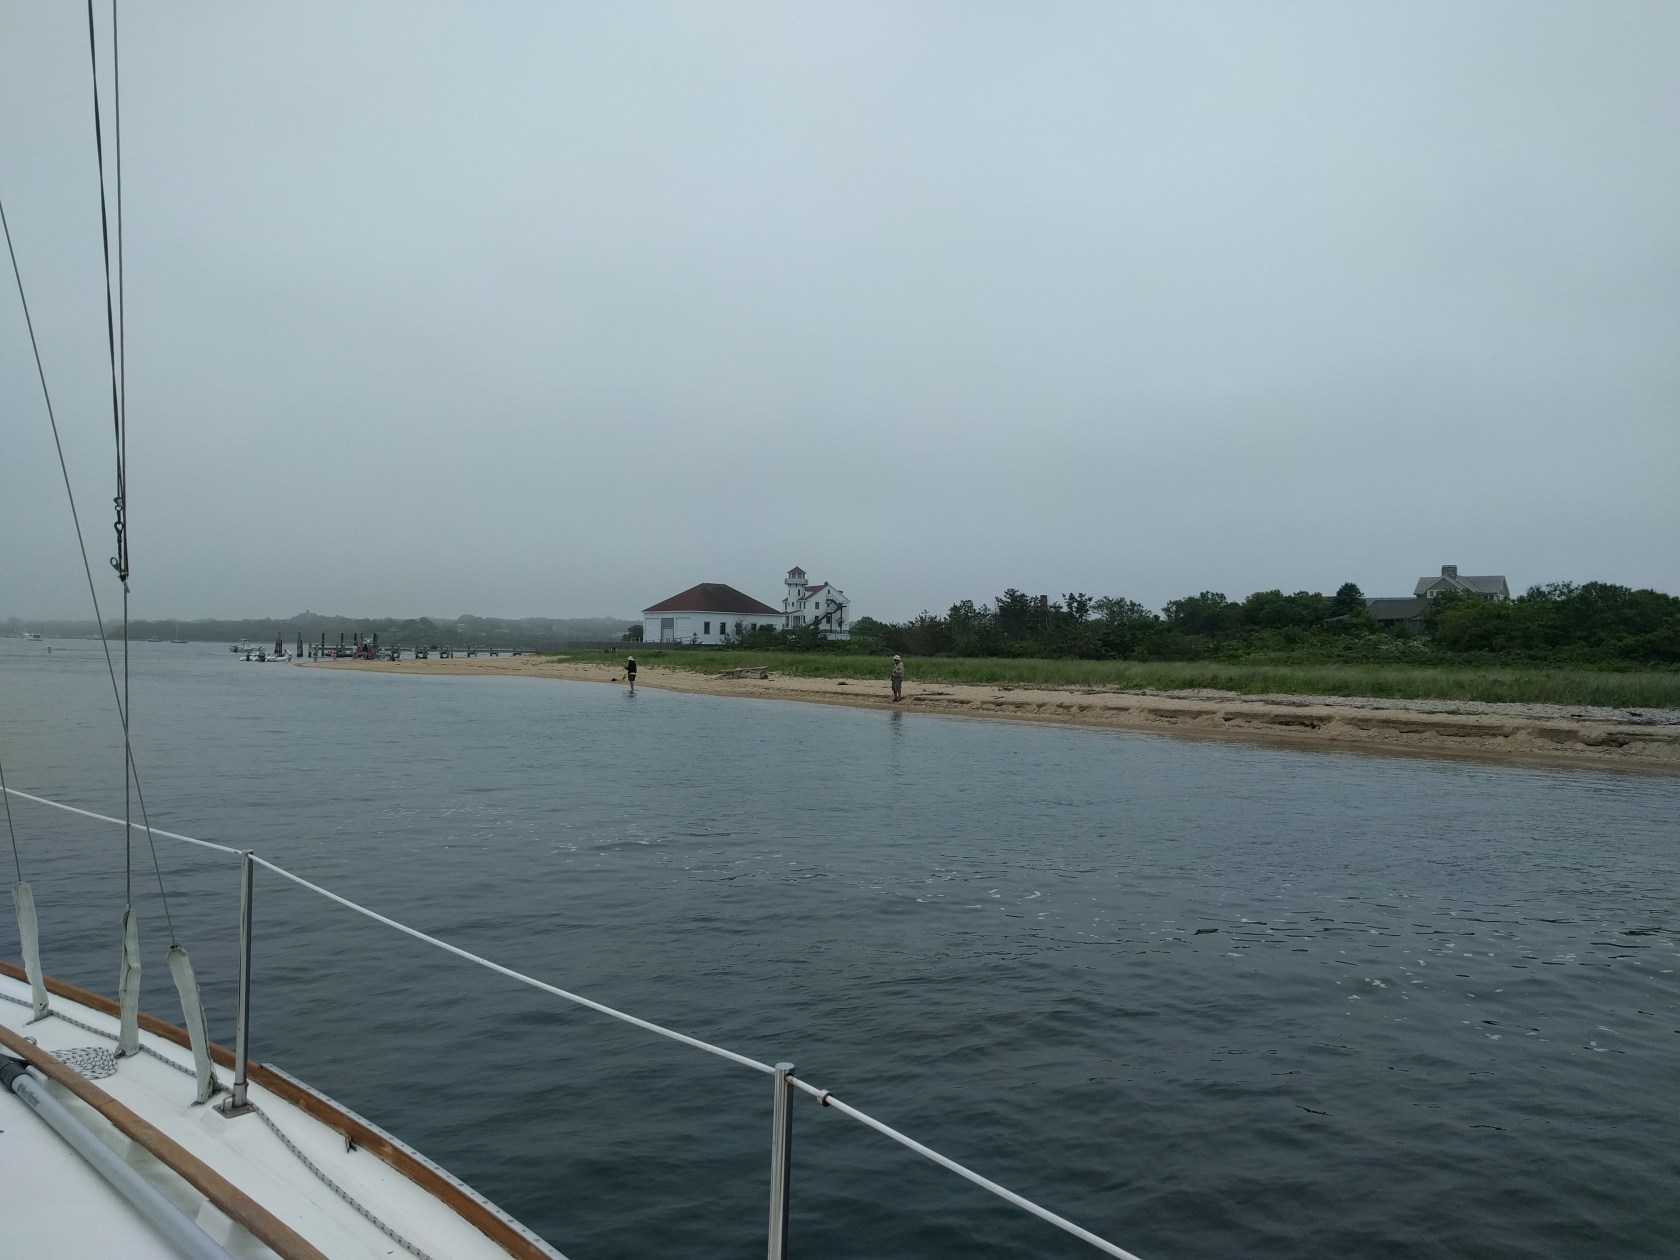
x=707 y=613
x=821 y=605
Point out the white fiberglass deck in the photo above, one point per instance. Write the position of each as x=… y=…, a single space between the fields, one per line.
x=59 y=1208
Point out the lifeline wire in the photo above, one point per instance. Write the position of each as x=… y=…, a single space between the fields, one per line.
x=520 y=976
x=81 y=546
x=823 y=1096
x=985 y=1183
x=88 y=813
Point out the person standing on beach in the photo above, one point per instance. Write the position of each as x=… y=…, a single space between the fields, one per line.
x=898 y=678
x=630 y=672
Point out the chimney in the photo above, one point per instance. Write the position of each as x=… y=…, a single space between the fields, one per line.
x=1449 y=570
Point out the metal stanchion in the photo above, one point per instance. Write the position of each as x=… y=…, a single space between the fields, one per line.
x=781 y=1152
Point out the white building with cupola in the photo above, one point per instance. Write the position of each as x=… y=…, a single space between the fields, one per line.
x=819 y=604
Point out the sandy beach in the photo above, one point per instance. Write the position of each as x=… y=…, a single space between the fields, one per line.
x=1537 y=734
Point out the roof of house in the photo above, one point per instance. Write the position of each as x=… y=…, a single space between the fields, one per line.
x=1399 y=608
x=713 y=597
x=1492 y=584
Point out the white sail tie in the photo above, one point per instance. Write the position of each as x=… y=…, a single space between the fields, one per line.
x=29 y=936
x=128 y=986
x=192 y=1019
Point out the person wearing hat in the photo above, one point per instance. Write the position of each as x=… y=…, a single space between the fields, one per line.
x=898 y=677
x=630 y=672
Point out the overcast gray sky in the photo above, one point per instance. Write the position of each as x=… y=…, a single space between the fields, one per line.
x=556 y=309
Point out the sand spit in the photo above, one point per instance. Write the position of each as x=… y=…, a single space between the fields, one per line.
x=1537 y=734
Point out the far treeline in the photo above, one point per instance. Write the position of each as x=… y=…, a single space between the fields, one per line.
x=536 y=633
x=1563 y=624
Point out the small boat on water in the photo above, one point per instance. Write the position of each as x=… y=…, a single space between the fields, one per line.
x=31 y=634
x=265 y=657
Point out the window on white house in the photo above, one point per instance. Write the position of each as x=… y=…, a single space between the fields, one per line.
x=707 y=627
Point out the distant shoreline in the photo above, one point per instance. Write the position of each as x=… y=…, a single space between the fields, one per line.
x=1510 y=733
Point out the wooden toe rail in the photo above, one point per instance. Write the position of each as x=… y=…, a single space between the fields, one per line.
x=477 y=1212
x=228 y=1198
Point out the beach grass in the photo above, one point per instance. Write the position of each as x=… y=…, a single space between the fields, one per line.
x=1535 y=685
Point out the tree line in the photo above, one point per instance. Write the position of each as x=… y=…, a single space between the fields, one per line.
x=1562 y=623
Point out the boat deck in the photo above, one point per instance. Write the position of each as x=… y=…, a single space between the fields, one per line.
x=57 y=1206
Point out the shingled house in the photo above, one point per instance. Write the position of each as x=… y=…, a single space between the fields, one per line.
x=1399 y=610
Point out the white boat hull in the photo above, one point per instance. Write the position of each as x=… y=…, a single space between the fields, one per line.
x=44 y=1176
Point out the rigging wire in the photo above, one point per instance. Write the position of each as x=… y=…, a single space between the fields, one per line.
x=81 y=546
x=119 y=365
x=11 y=830
x=119 y=415
x=119 y=562
x=122 y=292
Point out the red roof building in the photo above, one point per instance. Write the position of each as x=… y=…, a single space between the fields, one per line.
x=710 y=612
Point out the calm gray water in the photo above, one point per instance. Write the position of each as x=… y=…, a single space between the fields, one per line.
x=1210 y=1000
